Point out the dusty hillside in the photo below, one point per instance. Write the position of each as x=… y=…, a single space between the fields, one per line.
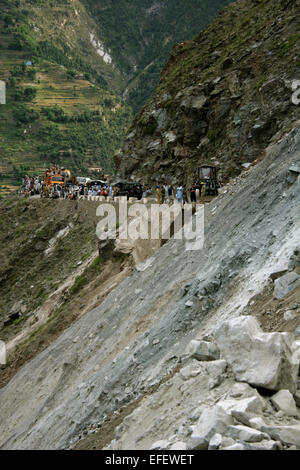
x=221 y=97
x=51 y=273
x=116 y=363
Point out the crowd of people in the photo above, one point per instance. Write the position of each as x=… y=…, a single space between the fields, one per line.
x=57 y=183
x=32 y=186
x=183 y=194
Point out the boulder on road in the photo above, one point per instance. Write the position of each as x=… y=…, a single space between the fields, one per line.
x=261 y=359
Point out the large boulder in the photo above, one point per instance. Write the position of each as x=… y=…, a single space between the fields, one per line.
x=261 y=359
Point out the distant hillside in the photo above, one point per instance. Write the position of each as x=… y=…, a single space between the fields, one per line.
x=141 y=33
x=91 y=65
x=60 y=108
x=222 y=97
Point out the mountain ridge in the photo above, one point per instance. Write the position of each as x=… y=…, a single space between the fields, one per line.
x=221 y=98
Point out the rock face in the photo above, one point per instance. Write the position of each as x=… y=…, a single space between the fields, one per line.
x=219 y=99
x=261 y=359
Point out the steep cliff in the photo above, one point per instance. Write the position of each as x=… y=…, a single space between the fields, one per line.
x=221 y=98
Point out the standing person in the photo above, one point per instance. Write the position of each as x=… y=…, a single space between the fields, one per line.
x=158 y=195
x=171 y=192
x=166 y=199
x=193 y=193
x=163 y=193
x=202 y=193
x=185 y=194
x=116 y=189
x=179 y=194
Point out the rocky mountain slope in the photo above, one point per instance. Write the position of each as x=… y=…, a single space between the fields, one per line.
x=67 y=106
x=112 y=376
x=51 y=273
x=221 y=97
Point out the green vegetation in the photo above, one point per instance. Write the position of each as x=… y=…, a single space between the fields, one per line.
x=58 y=107
x=146 y=48
x=79 y=283
x=64 y=102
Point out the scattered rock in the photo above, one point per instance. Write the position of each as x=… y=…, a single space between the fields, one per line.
x=160 y=445
x=289 y=315
x=286 y=434
x=243 y=410
x=179 y=446
x=203 y=350
x=191 y=370
x=215 y=371
x=213 y=420
x=286 y=284
x=246 y=434
x=265 y=445
x=257 y=423
x=297 y=398
x=236 y=446
x=215 y=442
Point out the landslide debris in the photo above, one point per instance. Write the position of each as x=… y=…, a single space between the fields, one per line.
x=115 y=354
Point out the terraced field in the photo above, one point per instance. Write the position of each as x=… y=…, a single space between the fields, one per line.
x=68 y=116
